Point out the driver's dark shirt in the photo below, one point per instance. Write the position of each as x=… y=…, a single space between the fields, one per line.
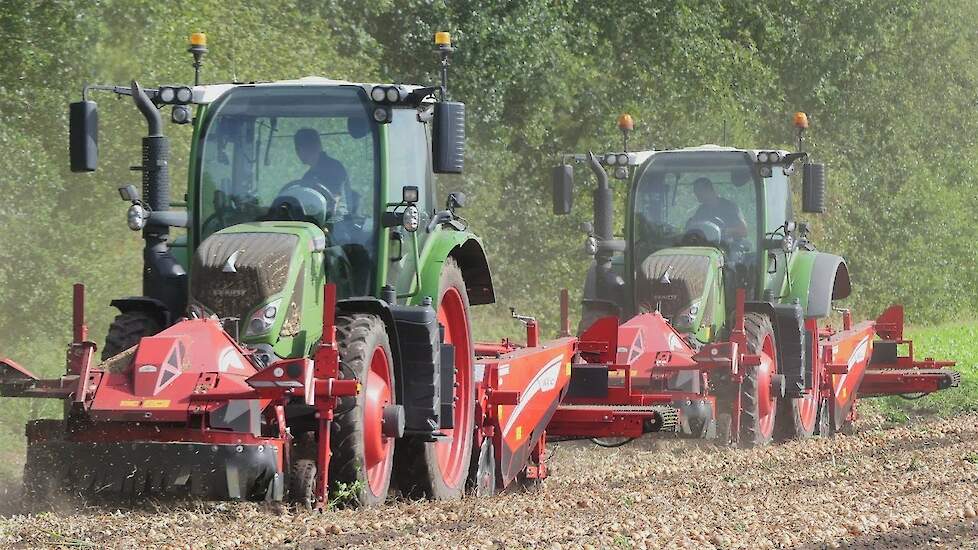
x=725 y=209
x=330 y=173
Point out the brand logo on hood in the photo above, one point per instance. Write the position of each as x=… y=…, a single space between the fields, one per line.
x=229 y=264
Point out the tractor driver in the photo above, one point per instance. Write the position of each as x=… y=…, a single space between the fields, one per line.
x=714 y=208
x=324 y=170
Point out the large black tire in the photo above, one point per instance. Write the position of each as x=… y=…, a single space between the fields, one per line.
x=302 y=483
x=754 y=431
x=358 y=337
x=416 y=462
x=126 y=330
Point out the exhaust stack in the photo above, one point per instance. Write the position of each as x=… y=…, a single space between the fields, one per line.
x=163 y=278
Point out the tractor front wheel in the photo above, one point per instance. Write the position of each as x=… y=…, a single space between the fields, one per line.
x=758 y=404
x=439 y=469
x=126 y=330
x=363 y=452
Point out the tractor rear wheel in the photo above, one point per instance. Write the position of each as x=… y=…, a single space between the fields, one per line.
x=363 y=454
x=126 y=330
x=439 y=469
x=798 y=417
x=758 y=404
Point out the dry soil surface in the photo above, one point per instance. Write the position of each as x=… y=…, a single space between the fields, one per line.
x=906 y=487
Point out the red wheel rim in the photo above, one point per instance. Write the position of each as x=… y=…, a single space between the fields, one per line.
x=377 y=448
x=451 y=453
x=766 y=402
x=807 y=409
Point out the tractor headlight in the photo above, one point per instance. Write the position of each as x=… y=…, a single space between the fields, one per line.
x=380 y=115
x=167 y=94
x=621 y=173
x=412 y=218
x=610 y=159
x=136 y=217
x=262 y=320
x=591 y=246
x=762 y=157
x=622 y=159
x=184 y=94
x=378 y=93
x=774 y=157
x=393 y=95
x=180 y=114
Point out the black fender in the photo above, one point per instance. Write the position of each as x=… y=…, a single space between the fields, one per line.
x=145 y=304
x=829 y=281
x=415 y=339
x=474 y=263
x=792 y=342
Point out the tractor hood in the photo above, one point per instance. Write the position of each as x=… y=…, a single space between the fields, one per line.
x=256 y=272
x=682 y=284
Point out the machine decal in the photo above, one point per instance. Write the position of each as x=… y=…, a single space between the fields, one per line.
x=638 y=347
x=857 y=357
x=675 y=343
x=230 y=359
x=229 y=264
x=544 y=381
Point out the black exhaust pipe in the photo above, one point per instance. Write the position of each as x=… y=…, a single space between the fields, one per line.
x=603 y=201
x=609 y=285
x=164 y=279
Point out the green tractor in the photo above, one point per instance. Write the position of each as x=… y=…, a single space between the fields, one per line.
x=704 y=224
x=294 y=184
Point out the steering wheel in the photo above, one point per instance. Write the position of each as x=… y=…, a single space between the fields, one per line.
x=704 y=232
x=304 y=201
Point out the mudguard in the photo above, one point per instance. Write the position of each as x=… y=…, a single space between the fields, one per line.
x=468 y=251
x=151 y=306
x=816 y=279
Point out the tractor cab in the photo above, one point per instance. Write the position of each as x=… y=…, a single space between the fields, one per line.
x=311 y=151
x=704 y=219
x=702 y=223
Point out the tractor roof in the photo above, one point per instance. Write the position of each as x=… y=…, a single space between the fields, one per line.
x=713 y=147
x=208 y=93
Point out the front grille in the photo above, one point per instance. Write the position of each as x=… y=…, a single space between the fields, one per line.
x=261 y=270
x=686 y=283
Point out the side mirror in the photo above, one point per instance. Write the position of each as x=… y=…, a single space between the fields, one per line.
x=83 y=136
x=813 y=188
x=563 y=183
x=448 y=137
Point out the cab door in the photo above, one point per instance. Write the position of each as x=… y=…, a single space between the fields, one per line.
x=777 y=212
x=409 y=164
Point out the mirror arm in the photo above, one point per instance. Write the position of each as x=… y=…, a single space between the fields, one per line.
x=439 y=218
